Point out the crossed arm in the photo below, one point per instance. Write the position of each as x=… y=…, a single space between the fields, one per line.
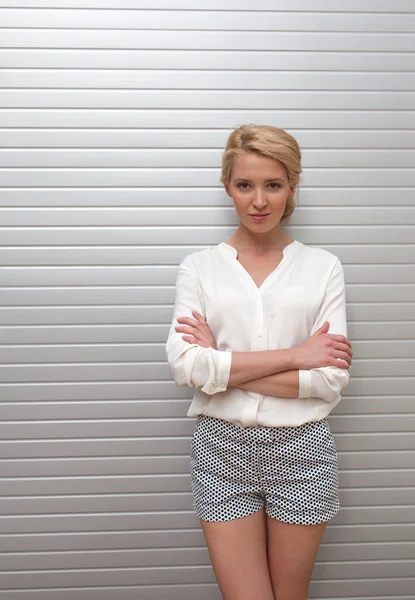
x=316 y=368
x=273 y=372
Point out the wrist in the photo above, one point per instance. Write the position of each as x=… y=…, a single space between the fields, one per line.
x=292 y=362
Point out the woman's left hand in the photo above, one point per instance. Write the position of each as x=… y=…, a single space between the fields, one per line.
x=197 y=331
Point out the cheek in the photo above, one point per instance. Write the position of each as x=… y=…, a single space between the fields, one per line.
x=240 y=204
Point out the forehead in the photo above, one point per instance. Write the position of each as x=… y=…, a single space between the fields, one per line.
x=254 y=166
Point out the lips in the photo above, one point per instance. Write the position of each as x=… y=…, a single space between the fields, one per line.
x=258 y=218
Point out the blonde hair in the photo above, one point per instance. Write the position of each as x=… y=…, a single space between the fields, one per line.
x=271 y=142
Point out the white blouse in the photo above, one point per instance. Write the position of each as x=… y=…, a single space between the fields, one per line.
x=305 y=290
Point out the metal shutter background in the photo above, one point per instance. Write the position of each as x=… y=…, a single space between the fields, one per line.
x=113 y=117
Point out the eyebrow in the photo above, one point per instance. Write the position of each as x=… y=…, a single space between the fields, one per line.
x=267 y=181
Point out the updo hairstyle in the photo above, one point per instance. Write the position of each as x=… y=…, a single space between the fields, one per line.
x=271 y=142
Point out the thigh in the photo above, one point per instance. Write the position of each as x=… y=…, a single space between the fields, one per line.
x=238 y=552
x=299 y=471
x=292 y=552
x=223 y=468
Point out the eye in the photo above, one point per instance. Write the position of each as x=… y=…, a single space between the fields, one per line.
x=242 y=183
x=276 y=185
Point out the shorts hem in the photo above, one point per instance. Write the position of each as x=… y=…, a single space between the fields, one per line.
x=226 y=517
x=297 y=520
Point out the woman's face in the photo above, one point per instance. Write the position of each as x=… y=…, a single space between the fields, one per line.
x=259 y=188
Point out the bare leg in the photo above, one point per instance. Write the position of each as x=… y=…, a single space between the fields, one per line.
x=238 y=552
x=292 y=551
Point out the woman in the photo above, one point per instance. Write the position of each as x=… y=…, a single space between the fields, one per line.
x=259 y=329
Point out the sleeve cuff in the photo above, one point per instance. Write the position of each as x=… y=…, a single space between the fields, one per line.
x=222 y=367
x=304 y=383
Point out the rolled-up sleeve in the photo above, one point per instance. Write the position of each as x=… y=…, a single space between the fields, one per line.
x=328 y=382
x=206 y=369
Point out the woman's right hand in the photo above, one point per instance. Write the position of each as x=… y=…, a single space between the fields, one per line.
x=324 y=349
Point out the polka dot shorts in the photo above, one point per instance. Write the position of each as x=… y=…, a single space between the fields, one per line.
x=291 y=472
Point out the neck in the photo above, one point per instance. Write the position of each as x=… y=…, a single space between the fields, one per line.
x=245 y=239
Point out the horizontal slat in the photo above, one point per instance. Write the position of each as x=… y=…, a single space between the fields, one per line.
x=87 y=315
x=187 y=556
x=361 y=588
x=25 y=411
x=128 y=540
x=374 y=405
x=197 y=216
x=86 y=372
x=98 y=410
x=198 y=139
x=221 y=5
x=136 y=427
x=164 y=296
x=213 y=118
x=95 y=504
x=134 y=446
x=45 y=391
x=207 y=20
x=374 y=292
x=206 y=99
x=106 y=466
x=78 y=334
x=203 y=591
x=171 y=519
x=131 y=275
x=87 y=353
x=127 y=177
x=185 y=592
x=166 y=445
x=183 y=556
x=95 y=428
x=91 y=391
x=191 y=158
x=201 y=573
x=50 y=334
x=318 y=235
x=217 y=40
x=156 y=352
x=211 y=196
x=173 y=79
x=382 y=368
x=105 y=485
x=153 y=465
x=176 y=501
x=166 y=275
x=339 y=534
x=137 y=295
x=402 y=311
x=205 y=59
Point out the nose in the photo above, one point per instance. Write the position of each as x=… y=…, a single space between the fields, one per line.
x=259 y=199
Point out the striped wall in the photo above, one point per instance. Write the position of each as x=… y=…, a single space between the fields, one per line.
x=113 y=118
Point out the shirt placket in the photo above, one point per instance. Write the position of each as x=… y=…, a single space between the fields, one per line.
x=260 y=335
x=259 y=342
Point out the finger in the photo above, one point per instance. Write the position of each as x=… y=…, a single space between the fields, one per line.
x=343 y=348
x=342 y=364
x=339 y=338
x=201 y=321
x=189 y=338
x=184 y=329
x=195 y=325
x=345 y=356
x=192 y=340
x=188 y=321
x=198 y=316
